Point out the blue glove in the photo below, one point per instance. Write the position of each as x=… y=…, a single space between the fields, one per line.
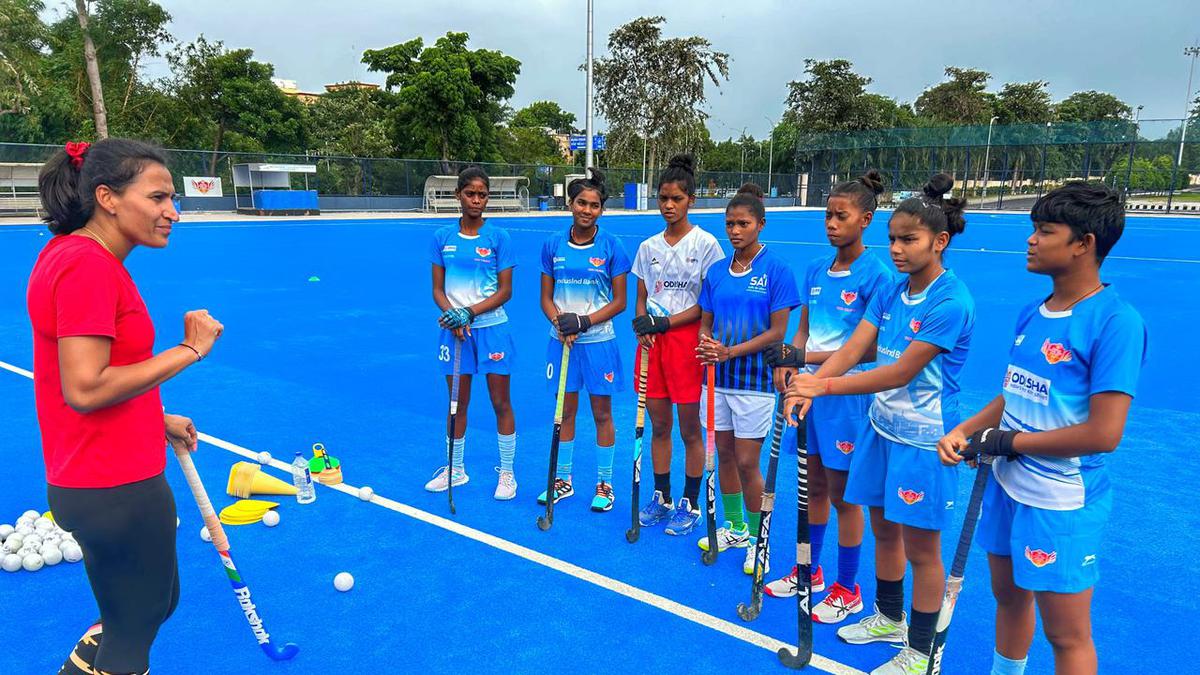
x=456 y=317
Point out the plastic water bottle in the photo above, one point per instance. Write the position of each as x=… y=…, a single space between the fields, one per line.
x=306 y=493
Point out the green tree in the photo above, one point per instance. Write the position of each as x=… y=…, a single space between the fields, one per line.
x=528 y=145
x=448 y=99
x=546 y=114
x=23 y=37
x=349 y=122
x=1091 y=106
x=961 y=100
x=1024 y=103
x=833 y=98
x=652 y=90
x=233 y=92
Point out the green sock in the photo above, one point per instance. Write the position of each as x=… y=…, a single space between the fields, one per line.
x=753 y=518
x=733 y=509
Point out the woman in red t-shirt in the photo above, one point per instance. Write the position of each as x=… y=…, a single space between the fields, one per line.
x=96 y=381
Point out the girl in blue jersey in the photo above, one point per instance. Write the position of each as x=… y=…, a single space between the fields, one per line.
x=920 y=329
x=1072 y=374
x=744 y=306
x=472 y=279
x=583 y=288
x=836 y=292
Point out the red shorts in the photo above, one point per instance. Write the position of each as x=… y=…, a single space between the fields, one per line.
x=673 y=372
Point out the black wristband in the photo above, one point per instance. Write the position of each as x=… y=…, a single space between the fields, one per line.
x=199 y=356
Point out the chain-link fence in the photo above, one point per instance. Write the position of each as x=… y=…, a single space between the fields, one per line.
x=1010 y=166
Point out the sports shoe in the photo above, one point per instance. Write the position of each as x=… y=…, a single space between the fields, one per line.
x=875 y=628
x=908 y=662
x=748 y=563
x=438 y=484
x=727 y=537
x=655 y=511
x=838 y=605
x=603 y=501
x=787 y=587
x=684 y=519
x=562 y=490
x=506 y=485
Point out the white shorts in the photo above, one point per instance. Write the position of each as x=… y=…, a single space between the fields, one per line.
x=747 y=415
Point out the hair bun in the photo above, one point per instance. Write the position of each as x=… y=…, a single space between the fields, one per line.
x=873 y=180
x=597 y=176
x=684 y=161
x=937 y=186
x=751 y=189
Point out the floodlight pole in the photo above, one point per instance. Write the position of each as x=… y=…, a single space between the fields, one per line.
x=1193 y=52
x=770 y=155
x=987 y=155
x=588 y=154
x=1132 y=145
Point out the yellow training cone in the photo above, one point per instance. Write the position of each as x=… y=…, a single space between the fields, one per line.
x=246 y=479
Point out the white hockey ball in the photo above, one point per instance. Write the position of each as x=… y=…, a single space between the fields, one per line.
x=204 y=534
x=43 y=524
x=13 y=543
x=31 y=515
x=6 y=530
x=343 y=581
x=264 y=457
x=51 y=555
x=365 y=493
x=11 y=562
x=73 y=553
x=32 y=562
x=270 y=519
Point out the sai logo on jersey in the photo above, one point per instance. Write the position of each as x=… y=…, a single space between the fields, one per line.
x=758 y=284
x=1040 y=558
x=496 y=356
x=1055 y=352
x=849 y=297
x=914 y=325
x=482 y=252
x=596 y=262
x=909 y=497
x=844 y=447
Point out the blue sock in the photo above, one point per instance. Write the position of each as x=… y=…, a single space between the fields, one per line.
x=604 y=462
x=566 y=457
x=459 y=444
x=816 y=539
x=847 y=574
x=508 y=450
x=1006 y=666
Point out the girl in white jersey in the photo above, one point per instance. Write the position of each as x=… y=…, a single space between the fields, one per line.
x=670 y=267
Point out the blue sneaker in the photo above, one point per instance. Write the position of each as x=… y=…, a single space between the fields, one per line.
x=684 y=519
x=655 y=511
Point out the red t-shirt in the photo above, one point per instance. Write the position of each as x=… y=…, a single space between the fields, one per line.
x=78 y=288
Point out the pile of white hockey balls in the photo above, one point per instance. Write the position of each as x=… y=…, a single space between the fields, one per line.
x=36 y=541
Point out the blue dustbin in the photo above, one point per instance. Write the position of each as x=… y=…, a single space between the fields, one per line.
x=543 y=203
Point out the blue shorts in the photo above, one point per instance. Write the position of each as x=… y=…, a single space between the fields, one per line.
x=834 y=425
x=912 y=485
x=487 y=351
x=595 y=366
x=1053 y=551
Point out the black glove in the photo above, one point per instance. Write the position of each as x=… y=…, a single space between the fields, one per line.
x=647 y=324
x=991 y=441
x=784 y=355
x=569 y=323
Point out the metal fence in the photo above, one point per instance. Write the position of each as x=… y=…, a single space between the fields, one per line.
x=1010 y=166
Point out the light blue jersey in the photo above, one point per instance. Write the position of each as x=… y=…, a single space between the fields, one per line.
x=473 y=265
x=1058 y=361
x=837 y=301
x=741 y=304
x=922 y=411
x=583 y=277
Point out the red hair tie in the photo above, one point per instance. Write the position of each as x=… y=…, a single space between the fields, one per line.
x=77 y=151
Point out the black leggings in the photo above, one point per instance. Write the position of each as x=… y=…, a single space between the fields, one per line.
x=127 y=534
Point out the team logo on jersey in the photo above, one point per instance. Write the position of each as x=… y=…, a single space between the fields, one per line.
x=496 y=356
x=1040 y=558
x=1088 y=560
x=1027 y=385
x=482 y=252
x=914 y=325
x=653 y=260
x=608 y=377
x=849 y=297
x=1055 y=352
x=887 y=316
x=758 y=284
x=910 y=497
x=449 y=248
x=814 y=291
x=1019 y=340
x=559 y=258
x=596 y=262
x=845 y=447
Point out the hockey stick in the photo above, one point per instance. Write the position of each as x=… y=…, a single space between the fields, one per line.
x=804 y=644
x=546 y=521
x=954 y=582
x=710 y=494
x=750 y=612
x=635 y=529
x=455 y=379
x=221 y=543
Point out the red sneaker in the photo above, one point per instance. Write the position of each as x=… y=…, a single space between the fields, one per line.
x=838 y=605
x=786 y=586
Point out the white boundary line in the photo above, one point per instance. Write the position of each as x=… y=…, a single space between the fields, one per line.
x=570 y=569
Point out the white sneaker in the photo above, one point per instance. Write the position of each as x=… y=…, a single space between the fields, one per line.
x=727 y=538
x=838 y=605
x=438 y=483
x=789 y=586
x=748 y=563
x=875 y=628
x=506 y=485
x=908 y=662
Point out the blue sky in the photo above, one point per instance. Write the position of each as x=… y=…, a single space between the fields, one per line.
x=1134 y=50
